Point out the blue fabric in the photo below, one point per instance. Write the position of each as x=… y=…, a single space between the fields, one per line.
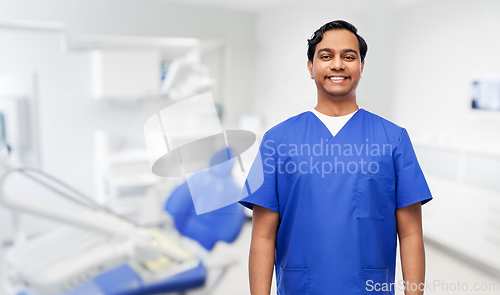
x=336 y=198
x=123 y=280
x=223 y=224
x=184 y=281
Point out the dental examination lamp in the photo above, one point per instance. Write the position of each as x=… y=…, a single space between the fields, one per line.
x=91 y=242
x=186 y=77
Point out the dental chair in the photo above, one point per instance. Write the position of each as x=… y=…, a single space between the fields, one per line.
x=133 y=269
x=206 y=229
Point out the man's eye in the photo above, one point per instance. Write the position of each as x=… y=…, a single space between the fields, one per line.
x=349 y=57
x=324 y=56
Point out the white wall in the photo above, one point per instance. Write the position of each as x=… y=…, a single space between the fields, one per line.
x=68 y=115
x=439 y=46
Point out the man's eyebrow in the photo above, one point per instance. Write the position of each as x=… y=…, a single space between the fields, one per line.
x=348 y=50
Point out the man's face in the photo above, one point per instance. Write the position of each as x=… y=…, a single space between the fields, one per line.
x=336 y=67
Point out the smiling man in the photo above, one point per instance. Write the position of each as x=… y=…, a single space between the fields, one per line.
x=336 y=67
x=340 y=185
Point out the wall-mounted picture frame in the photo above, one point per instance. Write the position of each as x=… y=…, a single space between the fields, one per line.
x=485 y=93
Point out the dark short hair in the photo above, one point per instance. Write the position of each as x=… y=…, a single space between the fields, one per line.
x=335 y=25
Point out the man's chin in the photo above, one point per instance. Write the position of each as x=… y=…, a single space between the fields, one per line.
x=339 y=95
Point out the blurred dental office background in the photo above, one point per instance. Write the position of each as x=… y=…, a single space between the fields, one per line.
x=79 y=79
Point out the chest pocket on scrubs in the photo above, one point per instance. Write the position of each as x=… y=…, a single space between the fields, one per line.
x=294 y=281
x=373 y=195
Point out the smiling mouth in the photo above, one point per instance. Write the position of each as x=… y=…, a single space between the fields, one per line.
x=337 y=78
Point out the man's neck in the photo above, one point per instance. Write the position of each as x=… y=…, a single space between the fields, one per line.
x=336 y=108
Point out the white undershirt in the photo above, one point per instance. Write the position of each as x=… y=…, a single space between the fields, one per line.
x=334 y=124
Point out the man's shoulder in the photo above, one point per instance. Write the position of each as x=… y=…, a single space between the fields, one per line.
x=278 y=130
x=389 y=127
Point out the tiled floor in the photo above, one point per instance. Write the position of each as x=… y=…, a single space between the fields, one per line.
x=441 y=269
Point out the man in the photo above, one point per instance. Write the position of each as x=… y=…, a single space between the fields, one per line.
x=340 y=184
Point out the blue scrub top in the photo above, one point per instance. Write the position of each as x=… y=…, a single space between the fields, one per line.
x=336 y=198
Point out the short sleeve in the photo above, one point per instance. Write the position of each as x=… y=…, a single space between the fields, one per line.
x=411 y=186
x=264 y=166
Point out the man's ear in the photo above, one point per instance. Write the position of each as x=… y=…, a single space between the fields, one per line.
x=310 y=68
x=362 y=66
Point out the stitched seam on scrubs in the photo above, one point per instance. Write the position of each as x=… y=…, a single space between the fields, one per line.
x=423 y=198
x=396 y=178
x=277 y=193
x=268 y=136
x=424 y=201
x=293 y=120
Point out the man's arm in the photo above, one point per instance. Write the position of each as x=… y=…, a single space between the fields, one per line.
x=265 y=224
x=409 y=225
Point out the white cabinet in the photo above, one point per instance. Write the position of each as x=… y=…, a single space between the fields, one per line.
x=465 y=213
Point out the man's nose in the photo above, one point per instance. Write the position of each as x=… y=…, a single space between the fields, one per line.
x=337 y=64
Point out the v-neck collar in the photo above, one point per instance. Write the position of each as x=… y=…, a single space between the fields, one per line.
x=342 y=130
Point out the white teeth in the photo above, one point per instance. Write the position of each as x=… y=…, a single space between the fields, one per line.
x=337 y=78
